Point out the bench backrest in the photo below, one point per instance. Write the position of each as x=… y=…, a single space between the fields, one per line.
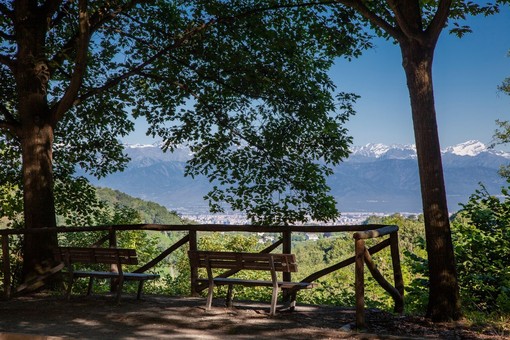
x=96 y=255
x=249 y=261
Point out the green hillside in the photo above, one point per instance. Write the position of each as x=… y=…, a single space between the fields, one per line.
x=150 y=212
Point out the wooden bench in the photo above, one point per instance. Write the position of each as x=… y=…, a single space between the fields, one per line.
x=234 y=261
x=106 y=256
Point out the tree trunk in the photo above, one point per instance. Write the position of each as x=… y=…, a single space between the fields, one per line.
x=444 y=302
x=38 y=198
x=36 y=135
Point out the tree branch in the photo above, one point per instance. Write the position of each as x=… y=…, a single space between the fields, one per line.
x=395 y=32
x=439 y=21
x=60 y=14
x=408 y=17
x=136 y=70
x=80 y=64
x=95 y=21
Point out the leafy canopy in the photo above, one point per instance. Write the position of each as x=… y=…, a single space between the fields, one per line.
x=243 y=83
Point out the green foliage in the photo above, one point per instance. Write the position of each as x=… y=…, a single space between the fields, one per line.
x=338 y=287
x=413 y=258
x=502 y=135
x=90 y=206
x=150 y=212
x=11 y=196
x=481 y=233
x=244 y=83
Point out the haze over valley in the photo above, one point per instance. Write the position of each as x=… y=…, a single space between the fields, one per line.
x=376 y=178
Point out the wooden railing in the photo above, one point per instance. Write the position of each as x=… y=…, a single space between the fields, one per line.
x=363 y=255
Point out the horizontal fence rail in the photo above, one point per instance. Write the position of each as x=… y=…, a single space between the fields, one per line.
x=362 y=254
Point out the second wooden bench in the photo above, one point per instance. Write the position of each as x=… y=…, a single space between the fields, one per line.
x=234 y=261
x=106 y=256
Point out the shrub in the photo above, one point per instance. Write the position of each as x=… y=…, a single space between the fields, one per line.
x=481 y=234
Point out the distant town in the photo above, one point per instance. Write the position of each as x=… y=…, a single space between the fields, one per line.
x=346 y=218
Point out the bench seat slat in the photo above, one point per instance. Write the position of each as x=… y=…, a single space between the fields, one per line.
x=242 y=282
x=112 y=275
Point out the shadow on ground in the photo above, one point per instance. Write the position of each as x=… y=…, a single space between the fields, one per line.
x=163 y=317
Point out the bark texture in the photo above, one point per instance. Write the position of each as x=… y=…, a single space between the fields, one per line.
x=444 y=302
x=35 y=134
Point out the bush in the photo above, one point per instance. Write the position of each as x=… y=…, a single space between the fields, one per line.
x=481 y=234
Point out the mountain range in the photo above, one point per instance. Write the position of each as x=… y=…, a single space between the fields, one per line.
x=375 y=178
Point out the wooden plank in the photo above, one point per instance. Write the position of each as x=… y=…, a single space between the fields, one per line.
x=194 y=266
x=376 y=274
x=97 y=255
x=248 y=261
x=317 y=275
x=376 y=232
x=101 y=241
x=110 y=275
x=359 y=282
x=397 y=272
x=164 y=254
x=262 y=283
x=200 y=227
x=287 y=249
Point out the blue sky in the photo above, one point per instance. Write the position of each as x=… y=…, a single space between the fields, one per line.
x=466 y=74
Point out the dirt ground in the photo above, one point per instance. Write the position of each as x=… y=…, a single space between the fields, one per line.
x=44 y=316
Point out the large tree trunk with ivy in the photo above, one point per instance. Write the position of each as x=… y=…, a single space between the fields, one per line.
x=35 y=133
x=444 y=302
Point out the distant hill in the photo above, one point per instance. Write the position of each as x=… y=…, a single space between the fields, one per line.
x=375 y=178
x=150 y=212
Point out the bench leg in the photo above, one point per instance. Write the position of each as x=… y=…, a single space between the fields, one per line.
x=274 y=299
x=292 y=305
x=91 y=283
x=229 y=296
x=69 y=286
x=209 y=295
x=119 y=289
x=140 y=287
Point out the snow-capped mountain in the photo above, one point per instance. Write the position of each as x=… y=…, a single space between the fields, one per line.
x=381 y=151
x=470 y=148
x=375 y=178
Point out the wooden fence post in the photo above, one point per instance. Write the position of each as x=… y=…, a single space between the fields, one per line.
x=359 y=282
x=112 y=243
x=6 y=266
x=194 y=270
x=112 y=238
x=287 y=249
x=397 y=270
